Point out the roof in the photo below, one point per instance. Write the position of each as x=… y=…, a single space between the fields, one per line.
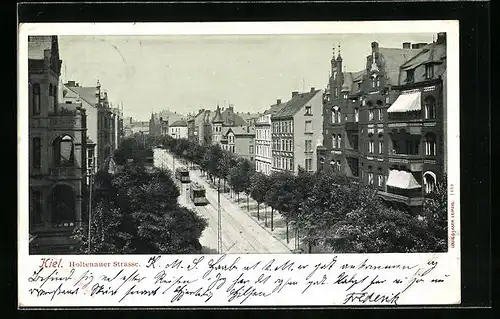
x=242 y=130
x=86 y=93
x=179 y=123
x=37 y=46
x=393 y=59
x=431 y=53
x=218 y=117
x=274 y=108
x=291 y=107
x=232 y=118
x=248 y=116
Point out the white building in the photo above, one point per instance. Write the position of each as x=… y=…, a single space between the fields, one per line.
x=178 y=129
x=263 y=140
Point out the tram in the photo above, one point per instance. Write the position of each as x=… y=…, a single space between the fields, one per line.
x=182 y=174
x=197 y=194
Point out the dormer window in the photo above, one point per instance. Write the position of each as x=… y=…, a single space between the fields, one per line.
x=410 y=76
x=429 y=71
x=308 y=110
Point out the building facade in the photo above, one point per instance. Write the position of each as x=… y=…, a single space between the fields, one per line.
x=178 y=129
x=296 y=129
x=240 y=140
x=381 y=125
x=263 y=140
x=57 y=136
x=200 y=127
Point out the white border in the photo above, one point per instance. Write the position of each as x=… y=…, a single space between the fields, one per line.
x=452 y=258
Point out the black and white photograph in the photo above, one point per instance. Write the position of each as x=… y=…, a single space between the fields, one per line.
x=325 y=143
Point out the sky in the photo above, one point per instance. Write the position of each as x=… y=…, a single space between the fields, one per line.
x=189 y=72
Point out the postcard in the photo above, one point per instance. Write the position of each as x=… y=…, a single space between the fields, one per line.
x=238 y=164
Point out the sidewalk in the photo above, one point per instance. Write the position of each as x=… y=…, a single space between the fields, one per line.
x=279 y=224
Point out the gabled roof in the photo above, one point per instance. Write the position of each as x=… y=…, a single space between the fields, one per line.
x=179 y=123
x=432 y=53
x=247 y=117
x=350 y=79
x=218 y=117
x=229 y=114
x=393 y=58
x=37 y=46
x=291 y=107
x=241 y=130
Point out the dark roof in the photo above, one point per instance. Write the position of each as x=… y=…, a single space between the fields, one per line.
x=242 y=130
x=393 y=58
x=431 y=53
x=350 y=78
x=229 y=114
x=37 y=46
x=218 y=117
x=291 y=107
x=248 y=116
x=179 y=123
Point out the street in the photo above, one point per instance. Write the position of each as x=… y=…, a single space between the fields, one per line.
x=240 y=233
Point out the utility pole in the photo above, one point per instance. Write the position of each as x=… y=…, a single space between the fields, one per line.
x=219 y=228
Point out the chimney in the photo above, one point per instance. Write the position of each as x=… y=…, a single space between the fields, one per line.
x=421 y=45
x=294 y=94
x=312 y=89
x=231 y=108
x=406 y=45
x=248 y=113
x=375 y=47
x=71 y=84
x=278 y=101
x=441 y=38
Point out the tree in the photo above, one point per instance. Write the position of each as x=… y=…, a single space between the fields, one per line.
x=274 y=195
x=239 y=177
x=137 y=212
x=259 y=187
x=435 y=215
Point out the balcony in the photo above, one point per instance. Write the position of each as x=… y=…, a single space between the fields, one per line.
x=351 y=126
x=408 y=200
x=415 y=162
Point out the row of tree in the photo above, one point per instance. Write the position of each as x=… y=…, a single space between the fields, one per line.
x=135 y=211
x=329 y=211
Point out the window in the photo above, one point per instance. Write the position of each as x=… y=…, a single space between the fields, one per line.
x=250 y=149
x=429 y=71
x=339 y=116
x=339 y=167
x=429 y=182
x=334 y=141
x=430 y=144
x=429 y=108
x=377 y=82
x=308 y=146
x=356 y=115
x=336 y=92
x=36 y=99
x=374 y=83
x=334 y=116
x=370 y=115
x=380 y=180
x=339 y=141
x=282 y=145
x=37 y=155
x=370 y=147
x=308 y=126
x=308 y=110
x=380 y=114
x=345 y=96
x=380 y=147
x=308 y=164
x=370 y=178
x=64 y=151
x=410 y=76
x=36 y=208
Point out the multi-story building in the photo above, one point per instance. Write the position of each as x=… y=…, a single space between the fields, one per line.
x=178 y=129
x=200 y=127
x=263 y=140
x=296 y=130
x=57 y=136
x=375 y=120
x=104 y=128
x=217 y=125
x=158 y=125
x=240 y=140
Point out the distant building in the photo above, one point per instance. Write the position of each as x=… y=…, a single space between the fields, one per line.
x=263 y=140
x=178 y=129
x=296 y=130
x=57 y=136
x=157 y=125
x=200 y=127
x=240 y=141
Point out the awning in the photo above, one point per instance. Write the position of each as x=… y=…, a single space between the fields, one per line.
x=402 y=179
x=406 y=102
